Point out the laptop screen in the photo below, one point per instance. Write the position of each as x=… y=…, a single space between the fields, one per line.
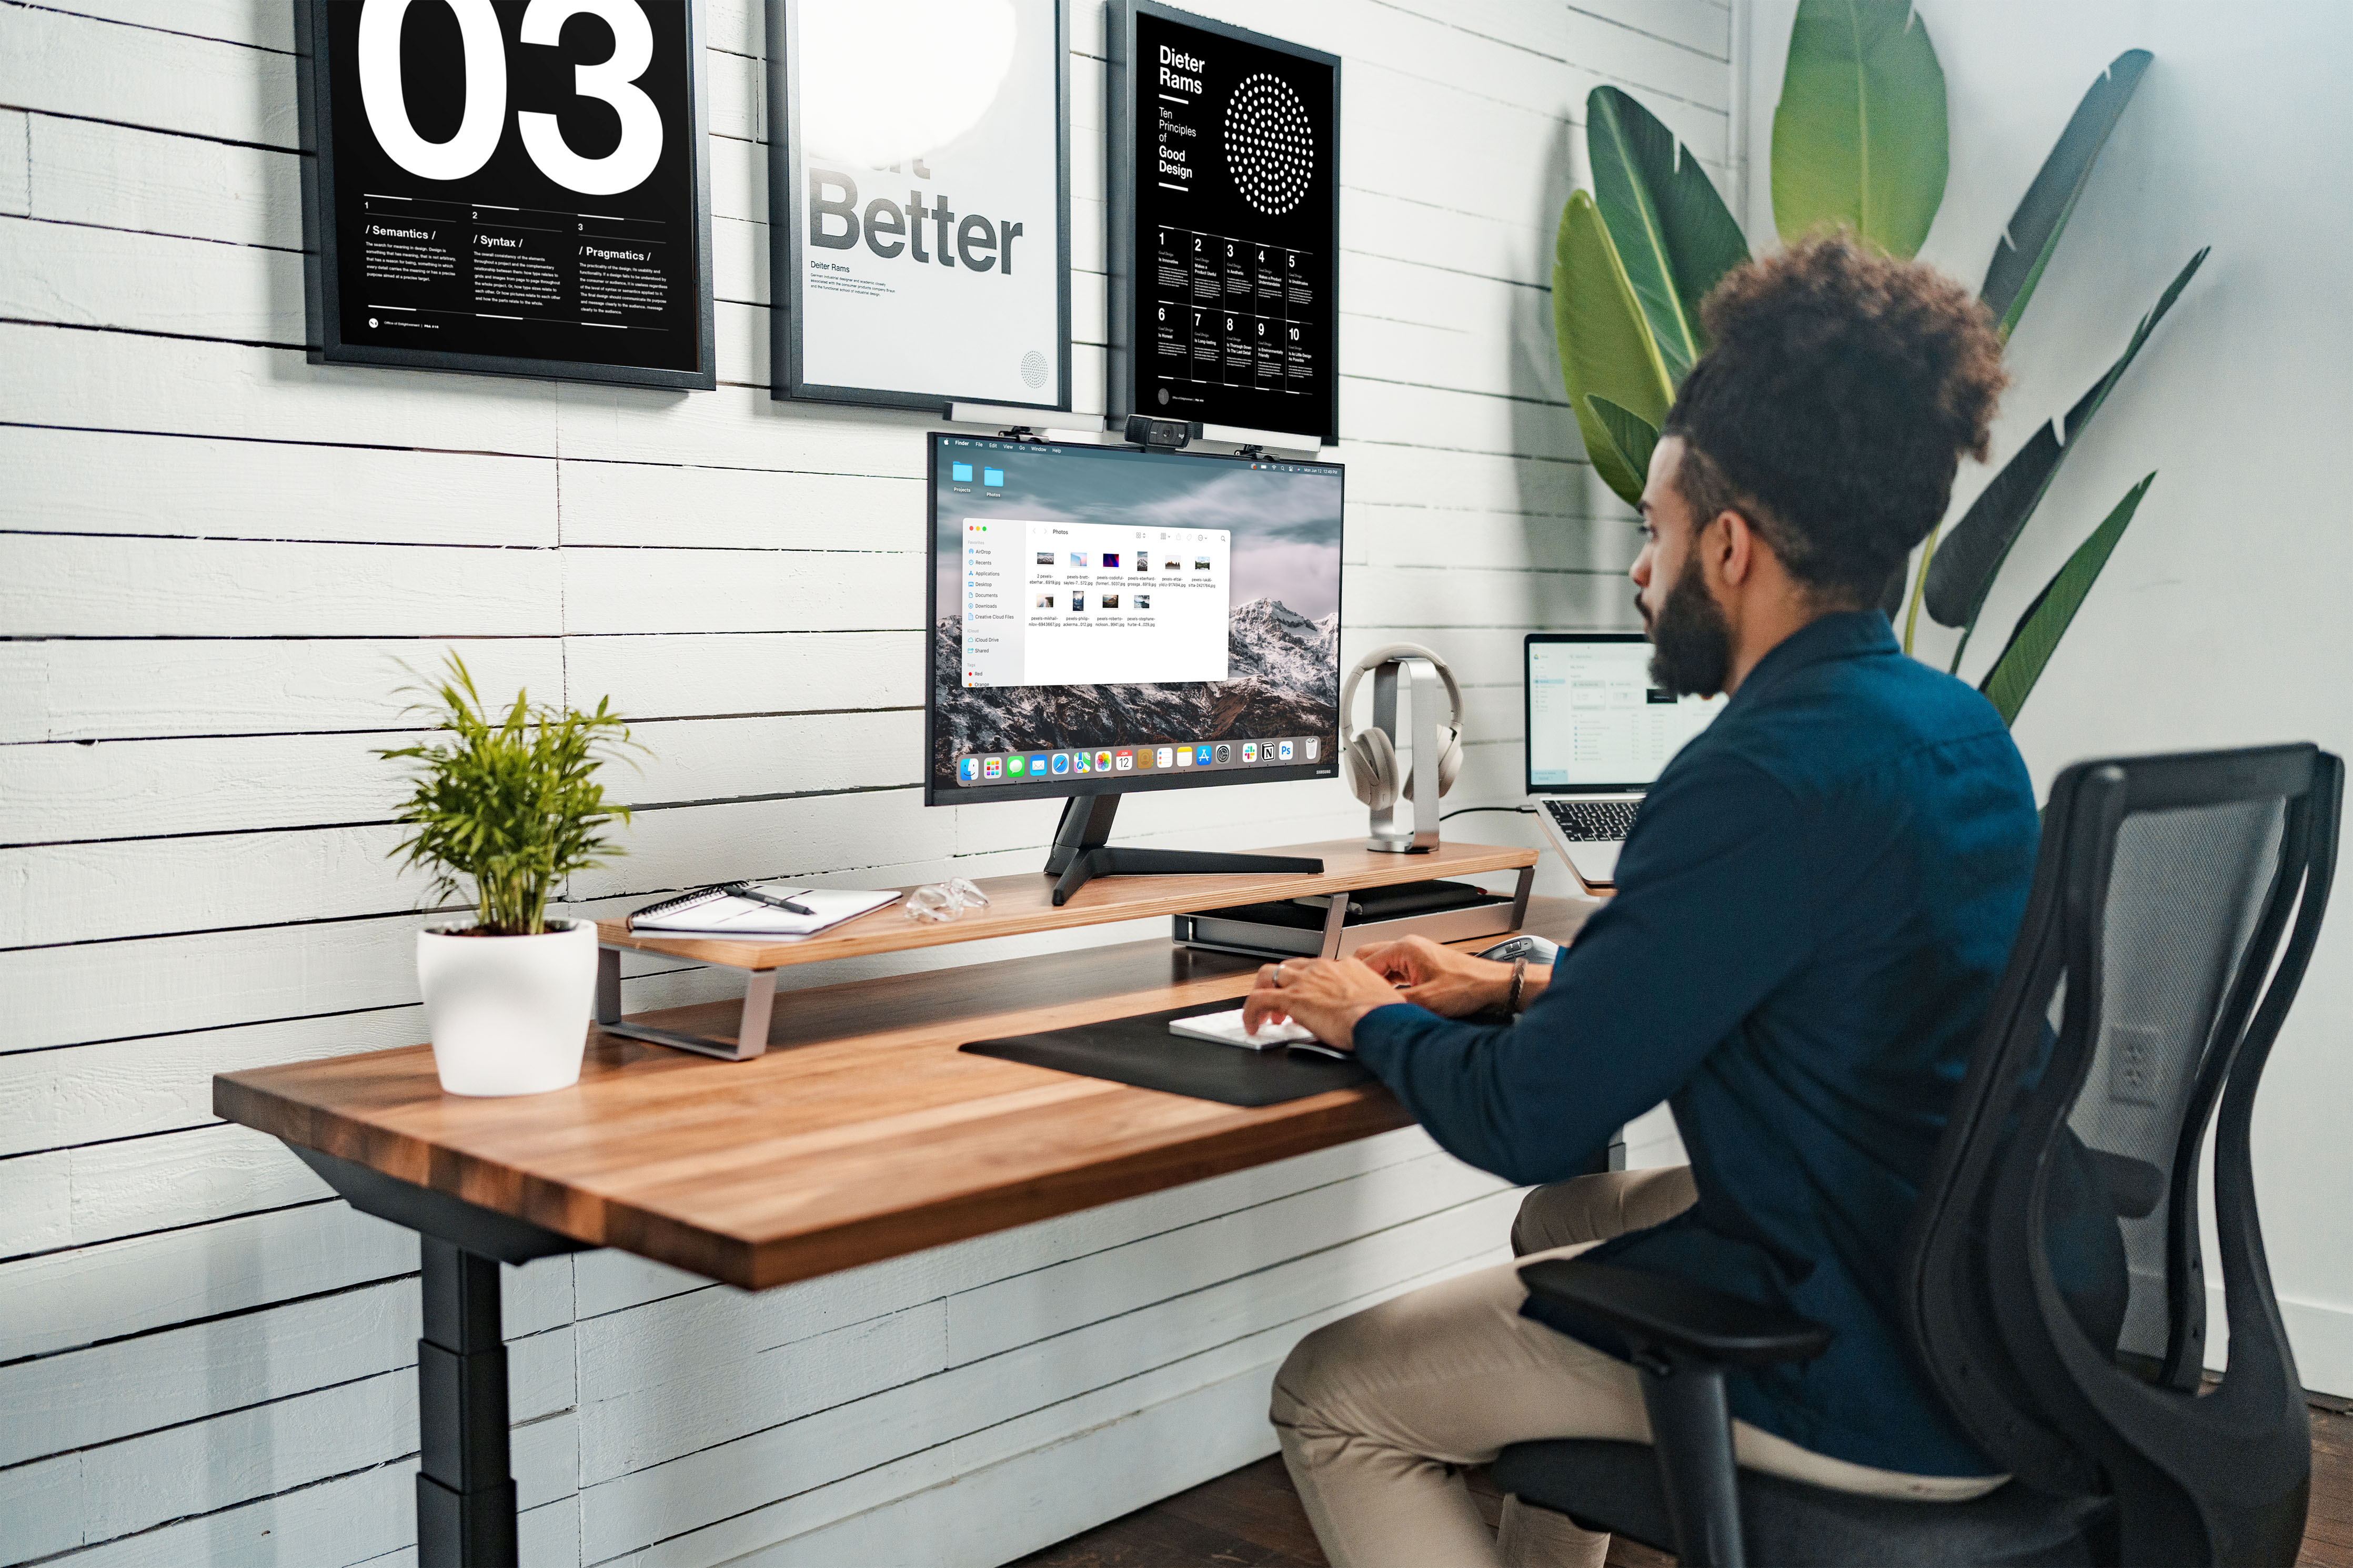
x=1595 y=722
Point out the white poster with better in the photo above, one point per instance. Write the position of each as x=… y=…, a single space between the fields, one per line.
x=927 y=189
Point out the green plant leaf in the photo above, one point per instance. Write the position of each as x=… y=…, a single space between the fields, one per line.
x=1633 y=436
x=1674 y=233
x=1971 y=552
x=1926 y=552
x=1605 y=344
x=1859 y=137
x=2025 y=247
x=510 y=803
x=2036 y=636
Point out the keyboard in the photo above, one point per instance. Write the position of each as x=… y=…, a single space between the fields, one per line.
x=1226 y=1029
x=1593 y=820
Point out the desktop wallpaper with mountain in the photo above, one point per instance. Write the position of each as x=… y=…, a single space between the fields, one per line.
x=1282 y=626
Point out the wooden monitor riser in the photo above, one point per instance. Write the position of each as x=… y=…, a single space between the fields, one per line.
x=1017 y=904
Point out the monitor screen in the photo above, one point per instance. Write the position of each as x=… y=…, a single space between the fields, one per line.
x=1594 y=720
x=1107 y=619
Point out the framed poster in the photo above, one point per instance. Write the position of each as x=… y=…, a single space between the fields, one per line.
x=923 y=251
x=519 y=187
x=1225 y=225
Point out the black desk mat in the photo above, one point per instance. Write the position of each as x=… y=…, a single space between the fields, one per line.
x=1141 y=1051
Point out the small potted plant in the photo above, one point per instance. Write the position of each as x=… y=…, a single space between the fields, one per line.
x=513 y=806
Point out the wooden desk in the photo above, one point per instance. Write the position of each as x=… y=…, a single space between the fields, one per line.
x=869 y=1137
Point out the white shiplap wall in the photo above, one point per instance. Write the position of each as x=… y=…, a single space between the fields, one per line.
x=211 y=555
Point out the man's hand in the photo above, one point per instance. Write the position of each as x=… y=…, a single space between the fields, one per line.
x=1326 y=995
x=1448 y=982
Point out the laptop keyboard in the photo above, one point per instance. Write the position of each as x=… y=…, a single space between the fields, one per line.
x=1593 y=820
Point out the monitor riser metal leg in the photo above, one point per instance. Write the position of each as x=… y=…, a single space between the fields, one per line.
x=1336 y=926
x=750 y=1030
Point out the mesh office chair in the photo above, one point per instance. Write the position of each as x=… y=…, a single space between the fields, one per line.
x=2052 y=1284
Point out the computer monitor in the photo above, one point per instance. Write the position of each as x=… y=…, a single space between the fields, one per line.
x=1175 y=614
x=1106 y=620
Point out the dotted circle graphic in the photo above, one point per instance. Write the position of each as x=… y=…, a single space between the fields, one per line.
x=1269 y=145
x=1033 y=369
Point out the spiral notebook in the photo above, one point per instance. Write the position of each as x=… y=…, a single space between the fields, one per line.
x=719 y=912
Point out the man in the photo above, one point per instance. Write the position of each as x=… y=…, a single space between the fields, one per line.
x=1814 y=907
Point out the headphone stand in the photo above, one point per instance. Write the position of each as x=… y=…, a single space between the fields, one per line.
x=1387 y=833
x=1081 y=852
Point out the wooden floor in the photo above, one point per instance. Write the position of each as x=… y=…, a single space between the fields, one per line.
x=1252 y=1519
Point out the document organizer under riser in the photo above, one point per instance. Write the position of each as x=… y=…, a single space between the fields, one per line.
x=1271 y=932
x=1020 y=904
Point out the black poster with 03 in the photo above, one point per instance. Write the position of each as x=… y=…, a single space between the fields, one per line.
x=1225 y=225
x=511 y=186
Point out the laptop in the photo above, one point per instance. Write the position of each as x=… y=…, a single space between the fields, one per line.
x=1597 y=735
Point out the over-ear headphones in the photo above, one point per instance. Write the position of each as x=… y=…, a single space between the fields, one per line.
x=1369 y=760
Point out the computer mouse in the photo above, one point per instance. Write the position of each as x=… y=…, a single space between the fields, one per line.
x=1526 y=944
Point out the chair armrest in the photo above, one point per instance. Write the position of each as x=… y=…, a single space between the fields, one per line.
x=1684 y=1319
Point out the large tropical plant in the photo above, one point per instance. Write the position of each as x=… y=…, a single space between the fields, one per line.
x=1859 y=143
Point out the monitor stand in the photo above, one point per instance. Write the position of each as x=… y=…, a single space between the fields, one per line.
x=1080 y=855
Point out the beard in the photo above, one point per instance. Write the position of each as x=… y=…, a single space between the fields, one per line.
x=1690 y=639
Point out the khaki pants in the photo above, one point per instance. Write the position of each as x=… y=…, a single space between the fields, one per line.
x=1379 y=1412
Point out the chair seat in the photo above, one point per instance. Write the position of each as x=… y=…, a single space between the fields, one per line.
x=1615 y=1487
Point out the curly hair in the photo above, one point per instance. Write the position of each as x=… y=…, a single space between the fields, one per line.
x=1833 y=409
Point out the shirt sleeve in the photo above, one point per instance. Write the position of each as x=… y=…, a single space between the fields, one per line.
x=1709 y=918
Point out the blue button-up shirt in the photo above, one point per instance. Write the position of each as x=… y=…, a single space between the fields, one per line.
x=1814 y=907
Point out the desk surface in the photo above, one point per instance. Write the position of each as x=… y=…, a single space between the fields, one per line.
x=1026 y=903
x=863 y=1133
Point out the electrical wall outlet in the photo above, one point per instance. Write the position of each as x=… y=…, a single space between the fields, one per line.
x=2132 y=1052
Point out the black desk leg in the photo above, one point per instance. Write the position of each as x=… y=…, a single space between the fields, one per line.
x=465 y=1496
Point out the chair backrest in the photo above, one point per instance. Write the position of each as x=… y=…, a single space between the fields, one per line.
x=2053 y=1285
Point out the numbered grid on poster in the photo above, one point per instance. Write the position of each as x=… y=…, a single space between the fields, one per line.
x=1227 y=312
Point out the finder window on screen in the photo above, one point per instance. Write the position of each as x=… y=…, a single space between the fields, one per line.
x=1031 y=617
x=1594 y=717
x=1105 y=609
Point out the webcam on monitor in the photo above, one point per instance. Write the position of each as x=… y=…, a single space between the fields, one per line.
x=1169 y=435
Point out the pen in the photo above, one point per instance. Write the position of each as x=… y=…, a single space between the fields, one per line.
x=745 y=890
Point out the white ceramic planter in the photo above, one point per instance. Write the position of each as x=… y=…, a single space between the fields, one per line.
x=509 y=1015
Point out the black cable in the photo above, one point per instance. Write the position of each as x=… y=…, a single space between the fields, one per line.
x=1514 y=810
